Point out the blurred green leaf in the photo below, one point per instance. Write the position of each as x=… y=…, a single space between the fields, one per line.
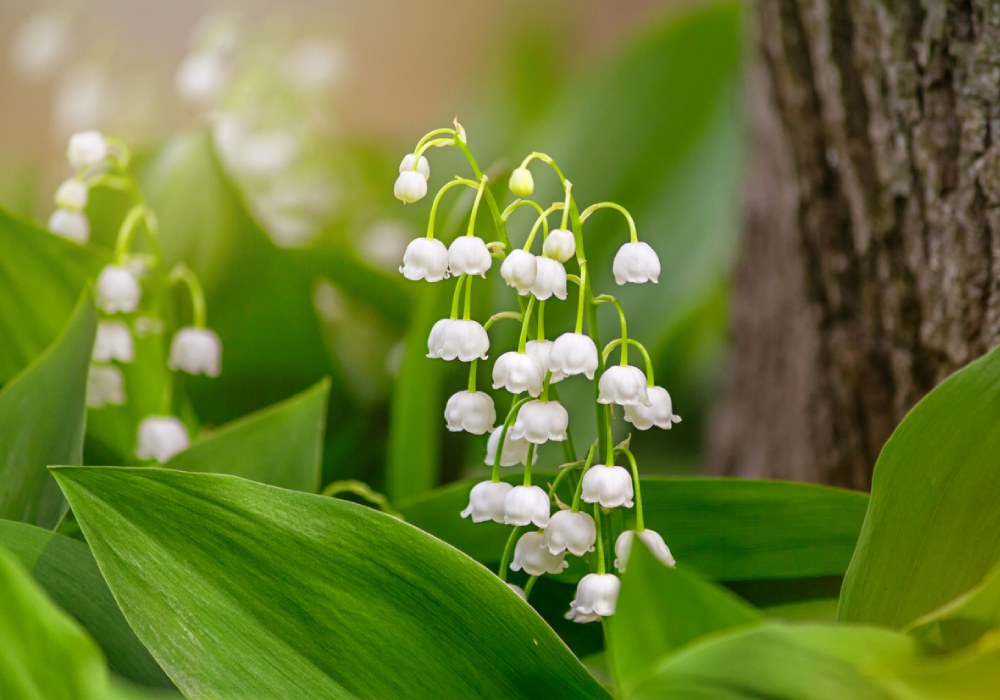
x=934 y=485
x=42 y=417
x=248 y=590
x=964 y=620
x=281 y=445
x=65 y=569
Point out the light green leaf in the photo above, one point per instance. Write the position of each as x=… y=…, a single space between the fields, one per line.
x=248 y=590
x=281 y=445
x=964 y=620
x=42 y=416
x=932 y=530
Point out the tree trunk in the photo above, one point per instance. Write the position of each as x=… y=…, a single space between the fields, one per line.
x=871 y=258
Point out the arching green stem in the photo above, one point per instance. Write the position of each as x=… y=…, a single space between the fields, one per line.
x=508 y=421
x=579 y=486
x=523 y=340
x=641 y=348
x=446 y=131
x=475 y=206
x=138 y=214
x=457 y=296
x=501 y=224
x=458 y=181
x=181 y=274
x=545 y=158
x=608 y=299
x=507 y=551
x=633 y=235
x=639 y=524
x=568 y=187
x=542 y=220
x=582 y=301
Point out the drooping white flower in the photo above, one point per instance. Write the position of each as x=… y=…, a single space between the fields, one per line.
x=574 y=353
x=660 y=411
x=469 y=255
x=87 y=149
x=113 y=342
x=541 y=350
x=624 y=385
x=540 y=421
x=105 y=386
x=534 y=558
x=71 y=225
x=651 y=538
x=202 y=77
x=40 y=43
x=610 y=486
x=315 y=65
x=572 y=531
x=410 y=187
x=517 y=372
x=521 y=182
x=196 y=351
x=471 y=411
x=72 y=195
x=520 y=591
x=596 y=597
x=560 y=245
x=118 y=291
x=457 y=339
x=425 y=259
x=486 y=501
x=519 y=270
x=514 y=451
x=423 y=167
x=525 y=505
x=550 y=279
x=637 y=263
x=160 y=438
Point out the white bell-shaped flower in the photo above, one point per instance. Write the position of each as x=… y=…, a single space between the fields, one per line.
x=113 y=342
x=72 y=194
x=202 y=77
x=425 y=259
x=517 y=372
x=659 y=412
x=457 y=339
x=423 y=167
x=609 y=486
x=118 y=290
x=87 y=149
x=532 y=556
x=468 y=255
x=636 y=263
x=196 y=351
x=560 y=245
x=572 y=531
x=161 y=437
x=596 y=597
x=514 y=451
x=522 y=183
x=471 y=411
x=105 y=386
x=520 y=591
x=525 y=505
x=574 y=353
x=71 y=225
x=486 y=501
x=624 y=385
x=550 y=279
x=410 y=187
x=519 y=270
x=541 y=350
x=651 y=538
x=540 y=421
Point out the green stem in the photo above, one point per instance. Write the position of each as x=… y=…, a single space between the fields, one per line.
x=138 y=214
x=467 y=313
x=633 y=236
x=501 y=224
x=582 y=303
x=523 y=340
x=457 y=296
x=475 y=206
x=540 y=323
x=567 y=469
x=446 y=131
x=508 y=421
x=529 y=585
x=182 y=274
x=507 y=551
x=437 y=200
x=472 y=375
x=579 y=486
x=542 y=220
x=639 y=524
x=600 y=539
x=545 y=158
x=527 y=464
x=568 y=186
x=638 y=346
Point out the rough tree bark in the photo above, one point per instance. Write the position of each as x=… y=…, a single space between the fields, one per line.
x=871 y=260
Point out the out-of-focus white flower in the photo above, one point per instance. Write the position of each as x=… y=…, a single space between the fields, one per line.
x=596 y=597
x=289 y=230
x=573 y=353
x=471 y=411
x=87 y=149
x=315 y=65
x=624 y=385
x=525 y=505
x=410 y=187
x=486 y=501
x=572 y=531
x=660 y=411
x=160 y=438
x=384 y=243
x=201 y=77
x=113 y=342
x=560 y=245
x=425 y=259
x=196 y=351
x=40 y=44
x=540 y=421
x=469 y=255
x=517 y=372
x=607 y=485
x=651 y=538
x=531 y=555
x=267 y=153
x=550 y=279
x=105 y=386
x=637 y=263
x=519 y=270
x=117 y=290
x=514 y=451
x=72 y=195
x=84 y=97
x=71 y=225
x=541 y=351
x=520 y=591
x=451 y=339
x=521 y=182
x=423 y=166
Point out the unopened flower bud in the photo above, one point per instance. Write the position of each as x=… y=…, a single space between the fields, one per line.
x=410 y=187
x=71 y=225
x=196 y=351
x=636 y=263
x=607 y=485
x=559 y=245
x=423 y=167
x=117 y=290
x=521 y=182
x=87 y=149
x=486 y=501
x=531 y=555
x=160 y=438
x=425 y=259
x=471 y=411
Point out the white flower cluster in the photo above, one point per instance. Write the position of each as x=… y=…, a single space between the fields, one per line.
x=88 y=152
x=529 y=373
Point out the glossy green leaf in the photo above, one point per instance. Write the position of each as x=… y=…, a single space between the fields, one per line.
x=42 y=417
x=281 y=445
x=932 y=530
x=964 y=620
x=245 y=590
x=67 y=572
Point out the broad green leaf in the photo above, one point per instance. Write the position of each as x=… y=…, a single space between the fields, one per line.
x=245 y=590
x=41 y=279
x=661 y=610
x=932 y=530
x=281 y=445
x=42 y=417
x=964 y=620
x=67 y=572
